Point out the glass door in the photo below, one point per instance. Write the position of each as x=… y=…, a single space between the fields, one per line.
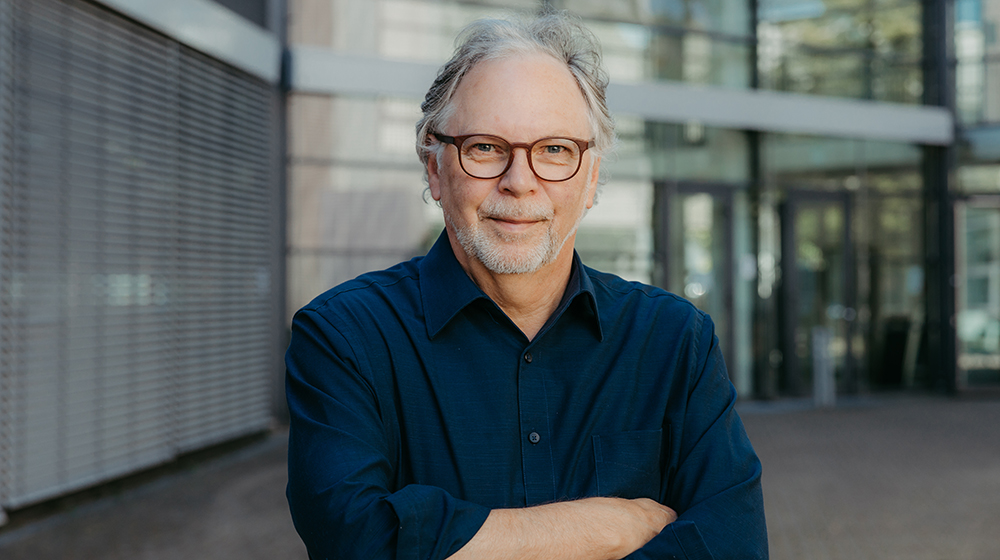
x=699 y=264
x=977 y=292
x=705 y=256
x=817 y=299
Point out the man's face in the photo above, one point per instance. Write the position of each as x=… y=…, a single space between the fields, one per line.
x=515 y=223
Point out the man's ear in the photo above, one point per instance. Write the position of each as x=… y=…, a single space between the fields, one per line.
x=595 y=174
x=433 y=177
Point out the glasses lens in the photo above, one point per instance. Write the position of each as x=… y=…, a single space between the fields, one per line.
x=484 y=157
x=555 y=159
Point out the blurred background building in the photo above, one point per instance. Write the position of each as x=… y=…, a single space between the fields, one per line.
x=176 y=178
x=140 y=236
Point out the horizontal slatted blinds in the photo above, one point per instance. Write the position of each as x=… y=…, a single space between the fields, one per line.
x=224 y=277
x=139 y=294
x=7 y=338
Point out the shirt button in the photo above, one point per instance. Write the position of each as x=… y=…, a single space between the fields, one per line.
x=533 y=437
x=527 y=357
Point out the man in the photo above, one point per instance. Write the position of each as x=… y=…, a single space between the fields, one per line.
x=496 y=398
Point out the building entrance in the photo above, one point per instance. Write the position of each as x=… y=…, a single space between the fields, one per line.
x=700 y=267
x=818 y=307
x=703 y=246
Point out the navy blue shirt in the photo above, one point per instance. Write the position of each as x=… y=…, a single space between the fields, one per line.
x=417 y=406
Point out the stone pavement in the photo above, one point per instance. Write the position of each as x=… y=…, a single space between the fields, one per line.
x=914 y=478
x=907 y=477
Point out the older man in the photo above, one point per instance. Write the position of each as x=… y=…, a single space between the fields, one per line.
x=496 y=398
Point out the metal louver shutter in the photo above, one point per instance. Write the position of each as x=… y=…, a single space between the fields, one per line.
x=224 y=277
x=6 y=250
x=137 y=251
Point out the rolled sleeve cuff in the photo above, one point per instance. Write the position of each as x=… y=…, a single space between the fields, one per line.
x=432 y=524
x=681 y=540
x=689 y=540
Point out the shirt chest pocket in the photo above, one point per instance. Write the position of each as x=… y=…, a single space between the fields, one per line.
x=628 y=464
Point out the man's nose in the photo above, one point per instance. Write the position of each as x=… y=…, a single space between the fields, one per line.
x=519 y=179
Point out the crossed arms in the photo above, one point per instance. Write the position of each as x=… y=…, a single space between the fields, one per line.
x=348 y=502
x=587 y=529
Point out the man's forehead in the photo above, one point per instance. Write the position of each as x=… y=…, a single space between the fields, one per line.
x=531 y=91
x=555 y=72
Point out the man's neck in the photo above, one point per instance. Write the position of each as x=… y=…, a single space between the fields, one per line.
x=527 y=299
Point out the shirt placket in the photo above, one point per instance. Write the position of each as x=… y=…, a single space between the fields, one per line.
x=536 y=437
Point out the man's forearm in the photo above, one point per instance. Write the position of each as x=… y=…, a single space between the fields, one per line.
x=587 y=529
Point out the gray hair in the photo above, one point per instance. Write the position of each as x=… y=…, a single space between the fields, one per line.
x=556 y=33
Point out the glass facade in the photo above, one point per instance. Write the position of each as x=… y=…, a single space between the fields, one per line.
x=808 y=251
x=977 y=213
x=844 y=48
x=978 y=290
x=692 y=41
x=850 y=256
x=977 y=54
x=730 y=17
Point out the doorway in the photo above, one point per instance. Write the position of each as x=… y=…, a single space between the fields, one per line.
x=704 y=255
x=817 y=302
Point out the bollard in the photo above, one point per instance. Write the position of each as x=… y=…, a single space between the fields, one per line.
x=824 y=384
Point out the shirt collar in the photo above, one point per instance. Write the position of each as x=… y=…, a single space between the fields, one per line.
x=446 y=289
x=580 y=287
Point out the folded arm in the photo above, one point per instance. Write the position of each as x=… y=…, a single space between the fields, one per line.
x=342 y=472
x=587 y=529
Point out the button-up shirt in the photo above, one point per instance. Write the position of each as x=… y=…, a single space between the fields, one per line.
x=417 y=406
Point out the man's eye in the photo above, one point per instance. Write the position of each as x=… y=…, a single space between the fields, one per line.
x=485 y=148
x=555 y=149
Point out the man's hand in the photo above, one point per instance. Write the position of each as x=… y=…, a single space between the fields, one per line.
x=587 y=529
x=645 y=517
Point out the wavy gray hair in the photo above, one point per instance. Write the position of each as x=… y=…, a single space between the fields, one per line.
x=557 y=33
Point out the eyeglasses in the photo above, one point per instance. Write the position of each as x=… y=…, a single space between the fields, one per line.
x=484 y=156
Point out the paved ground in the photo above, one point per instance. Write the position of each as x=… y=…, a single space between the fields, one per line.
x=915 y=478
x=910 y=478
x=227 y=508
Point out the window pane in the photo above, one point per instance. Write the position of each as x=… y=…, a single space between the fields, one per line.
x=616 y=234
x=722 y=16
x=978 y=295
x=634 y=52
x=836 y=164
x=991 y=94
x=979 y=178
x=979 y=153
x=864 y=50
x=857 y=74
x=691 y=152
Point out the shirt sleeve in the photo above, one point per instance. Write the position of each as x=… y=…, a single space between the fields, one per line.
x=343 y=461
x=715 y=480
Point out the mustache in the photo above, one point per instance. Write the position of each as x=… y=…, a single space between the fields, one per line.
x=507 y=209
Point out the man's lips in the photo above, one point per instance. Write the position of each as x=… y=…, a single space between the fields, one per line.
x=514 y=224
